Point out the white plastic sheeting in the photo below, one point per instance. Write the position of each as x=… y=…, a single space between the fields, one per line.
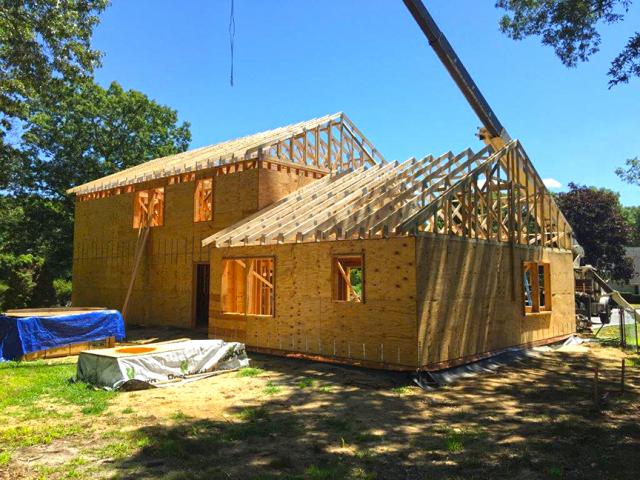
x=430 y=380
x=163 y=364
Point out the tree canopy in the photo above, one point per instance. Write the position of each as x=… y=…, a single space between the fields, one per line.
x=58 y=129
x=44 y=46
x=632 y=214
x=600 y=226
x=92 y=132
x=630 y=174
x=570 y=27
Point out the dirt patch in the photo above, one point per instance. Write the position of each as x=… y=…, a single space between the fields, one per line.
x=296 y=419
x=56 y=453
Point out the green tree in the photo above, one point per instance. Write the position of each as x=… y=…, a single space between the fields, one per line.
x=44 y=46
x=90 y=133
x=58 y=129
x=19 y=275
x=630 y=174
x=30 y=225
x=93 y=132
x=632 y=214
x=570 y=27
x=600 y=226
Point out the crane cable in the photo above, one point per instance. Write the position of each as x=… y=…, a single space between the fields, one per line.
x=232 y=36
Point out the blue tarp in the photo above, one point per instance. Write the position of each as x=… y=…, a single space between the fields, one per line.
x=22 y=335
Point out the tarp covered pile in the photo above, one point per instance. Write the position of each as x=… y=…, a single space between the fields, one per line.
x=20 y=335
x=159 y=365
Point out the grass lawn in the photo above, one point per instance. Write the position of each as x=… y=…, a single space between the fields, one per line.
x=289 y=419
x=610 y=336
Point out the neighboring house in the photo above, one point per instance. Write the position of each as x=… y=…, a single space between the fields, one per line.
x=305 y=240
x=633 y=285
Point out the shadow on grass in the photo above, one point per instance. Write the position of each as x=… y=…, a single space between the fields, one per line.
x=539 y=423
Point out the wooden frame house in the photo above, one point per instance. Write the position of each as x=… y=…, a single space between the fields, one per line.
x=304 y=240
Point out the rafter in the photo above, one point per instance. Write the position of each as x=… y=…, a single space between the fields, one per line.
x=330 y=143
x=479 y=195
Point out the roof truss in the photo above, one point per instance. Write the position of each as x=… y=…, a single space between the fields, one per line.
x=502 y=199
x=495 y=196
x=330 y=143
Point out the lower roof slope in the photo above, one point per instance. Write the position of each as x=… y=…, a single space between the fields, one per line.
x=486 y=195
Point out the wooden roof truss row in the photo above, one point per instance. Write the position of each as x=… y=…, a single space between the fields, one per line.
x=330 y=143
x=503 y=199
x=494 y=196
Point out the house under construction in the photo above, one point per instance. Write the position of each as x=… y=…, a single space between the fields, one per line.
x=305 y=240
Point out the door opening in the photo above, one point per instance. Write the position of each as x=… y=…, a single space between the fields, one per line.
x=201 y=295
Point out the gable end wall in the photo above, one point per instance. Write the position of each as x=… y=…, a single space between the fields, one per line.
x=466 y=305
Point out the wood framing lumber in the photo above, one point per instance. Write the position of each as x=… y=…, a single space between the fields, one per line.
x=471 y=194
x=347 y=281
x=252 y=147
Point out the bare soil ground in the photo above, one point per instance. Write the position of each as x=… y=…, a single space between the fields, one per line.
x=294 y=419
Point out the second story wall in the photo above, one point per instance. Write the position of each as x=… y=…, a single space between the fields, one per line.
x=105 y=242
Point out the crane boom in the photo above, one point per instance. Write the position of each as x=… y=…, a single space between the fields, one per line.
x=458 y=72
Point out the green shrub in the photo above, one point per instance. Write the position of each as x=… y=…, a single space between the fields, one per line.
x=18 y=279
x=62 y=288
x=3 y=289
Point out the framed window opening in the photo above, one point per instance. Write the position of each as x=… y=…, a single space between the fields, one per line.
x=148 y=208
x=248 y=286
x=348 y=278
x=203 y=201
x=537 y=287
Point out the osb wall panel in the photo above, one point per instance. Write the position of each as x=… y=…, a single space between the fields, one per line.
x=235 y=197
x=275 y=184
x=470 y=298
x=382 y=330
x=105 y=242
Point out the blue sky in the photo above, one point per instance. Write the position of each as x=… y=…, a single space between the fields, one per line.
x=298 y=59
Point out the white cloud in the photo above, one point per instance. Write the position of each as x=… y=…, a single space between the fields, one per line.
x=551 y=183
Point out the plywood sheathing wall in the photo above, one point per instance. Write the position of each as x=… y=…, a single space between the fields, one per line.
x=381 y=331
x=465 y=298
x=105 y=242
x=274 y=185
